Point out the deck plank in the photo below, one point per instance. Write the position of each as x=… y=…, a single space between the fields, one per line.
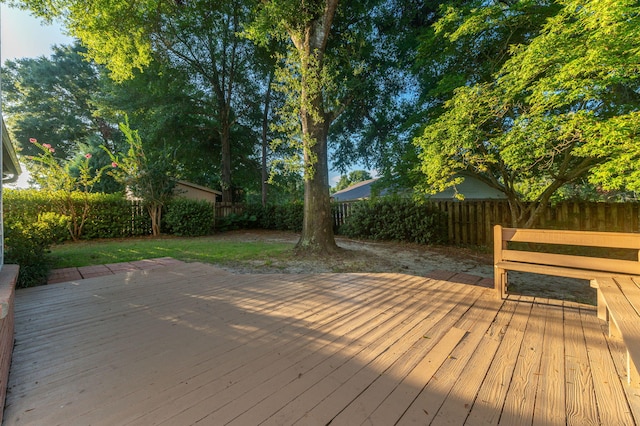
x=273 y=365
x=550 y=399
x=187 y=344
x=613 y=408
x=581 y=406
x=487 y=404
x=371 y=354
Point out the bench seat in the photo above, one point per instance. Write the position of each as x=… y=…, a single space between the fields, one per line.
x=621 y=297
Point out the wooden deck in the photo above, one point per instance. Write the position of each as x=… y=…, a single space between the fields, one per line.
x=191 y=344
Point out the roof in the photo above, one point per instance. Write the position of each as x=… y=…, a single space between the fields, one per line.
x=200 y=187
x=10 y=166
x=357 y=191
x=472 y=188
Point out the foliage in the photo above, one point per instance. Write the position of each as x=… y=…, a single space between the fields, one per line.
x=110 y=215
x=397 y=219
x=282 y=217
x=149 y=179
x=564 y=105
x=189 y=218
x=350 y=179
x=52 y=174
x=234 y=221
x=52 y=98
x=27 y=243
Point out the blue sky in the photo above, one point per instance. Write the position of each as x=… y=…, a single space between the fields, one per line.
x=25 y=36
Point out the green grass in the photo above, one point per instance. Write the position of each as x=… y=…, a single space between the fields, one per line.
x=205 y=249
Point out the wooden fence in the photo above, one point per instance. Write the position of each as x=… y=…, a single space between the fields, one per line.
x=471 y=222
x=225 y=209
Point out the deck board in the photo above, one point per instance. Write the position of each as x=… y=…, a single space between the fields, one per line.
x=191 y=344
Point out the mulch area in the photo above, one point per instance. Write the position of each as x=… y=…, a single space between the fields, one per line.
x=72 y=274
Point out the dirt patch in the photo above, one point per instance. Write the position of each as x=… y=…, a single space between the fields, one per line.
x=413 y=259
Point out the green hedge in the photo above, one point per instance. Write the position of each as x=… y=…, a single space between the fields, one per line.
x=189 y=218
x=283 y=217
x=110 y=215
x=396 y=219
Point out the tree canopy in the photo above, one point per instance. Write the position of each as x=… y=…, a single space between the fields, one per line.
x=530 y=96
x=563 y=106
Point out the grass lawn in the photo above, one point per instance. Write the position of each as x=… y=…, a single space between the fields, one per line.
x=204 y=249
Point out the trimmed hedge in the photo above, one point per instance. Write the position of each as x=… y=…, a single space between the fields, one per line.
x=110 y=215
x=396 y=219
x=283 y=217
x=189 y=218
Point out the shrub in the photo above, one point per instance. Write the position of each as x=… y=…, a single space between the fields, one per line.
x=26 y=244
x=282 y=217
x=52 y=227
x=189 y=218
x=397 y=219
x=235 y=221
x=109 y=215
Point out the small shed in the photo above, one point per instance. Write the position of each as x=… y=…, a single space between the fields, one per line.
x=192 y=191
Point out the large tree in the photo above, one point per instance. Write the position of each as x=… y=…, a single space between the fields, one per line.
x=563 y=106
x=335 y=77
x=203 y=36
x=51 y=99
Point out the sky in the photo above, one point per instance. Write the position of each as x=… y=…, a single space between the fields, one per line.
x=24 y=36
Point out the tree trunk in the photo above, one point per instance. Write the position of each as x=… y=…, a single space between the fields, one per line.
x=225 y=161
x=155 y=212
x=265 y=139
x=317 y=229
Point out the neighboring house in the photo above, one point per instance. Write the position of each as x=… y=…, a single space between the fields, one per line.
x=472 y=189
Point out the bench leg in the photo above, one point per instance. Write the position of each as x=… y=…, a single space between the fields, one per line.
x=500 y=282
x=602 y=307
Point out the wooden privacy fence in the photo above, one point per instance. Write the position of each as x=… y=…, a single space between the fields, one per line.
x=225 y=209
x=471 y=222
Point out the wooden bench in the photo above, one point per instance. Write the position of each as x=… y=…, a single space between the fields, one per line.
x=617 y=281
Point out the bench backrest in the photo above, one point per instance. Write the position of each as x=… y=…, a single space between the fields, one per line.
x=614 y=240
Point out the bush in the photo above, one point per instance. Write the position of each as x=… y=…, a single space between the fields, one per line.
x=26 y=244
x=110 y=215
x=282 y=217
x=52 y=227
x=189 y=218
x=397 y=219
x=235 y=221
